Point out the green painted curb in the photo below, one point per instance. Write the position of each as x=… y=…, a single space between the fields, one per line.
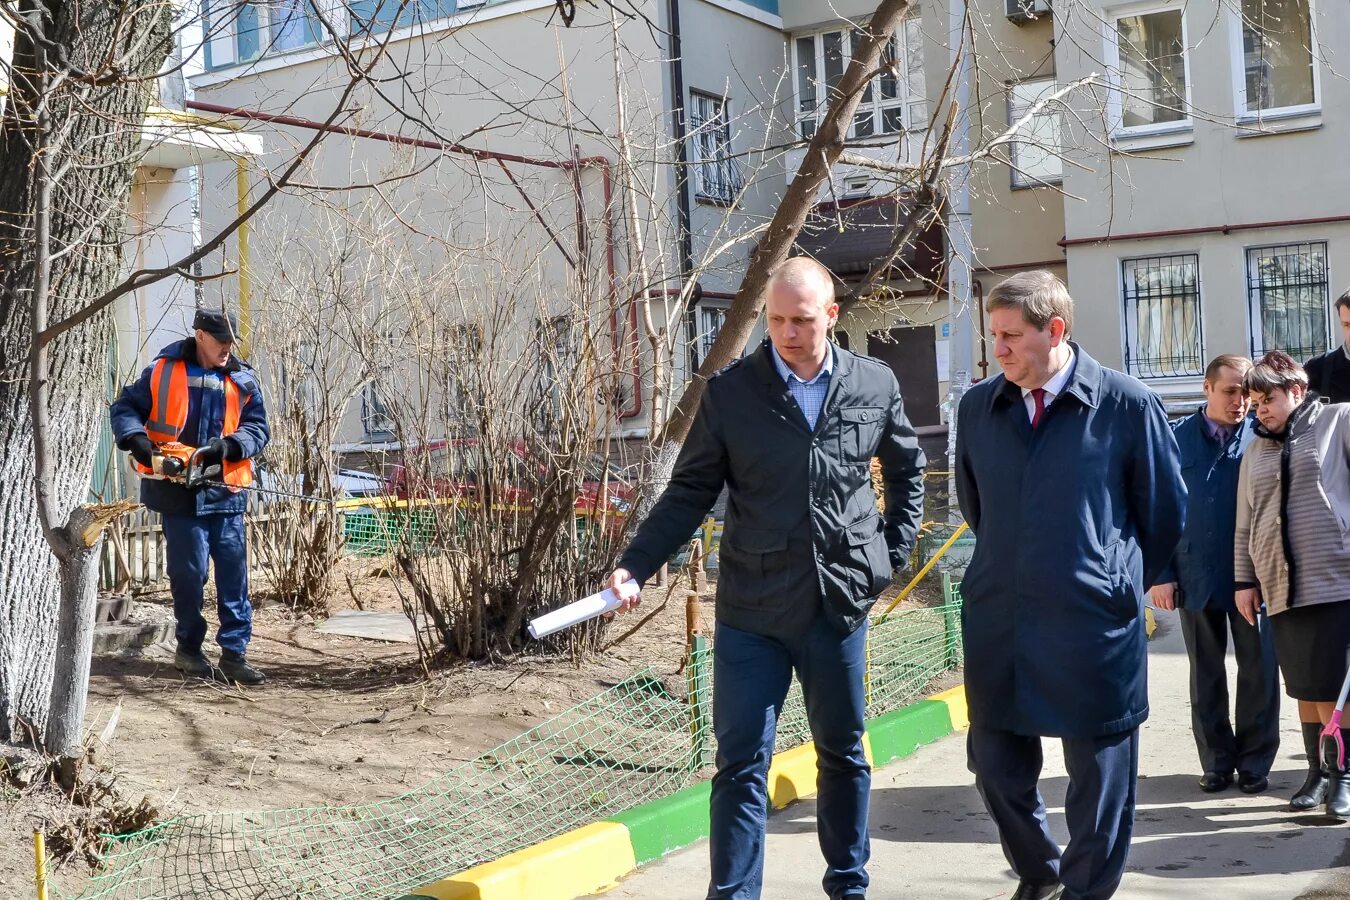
x=660 y=826
x=900 y=733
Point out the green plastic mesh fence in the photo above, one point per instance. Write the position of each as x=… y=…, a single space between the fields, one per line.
x=642 y=739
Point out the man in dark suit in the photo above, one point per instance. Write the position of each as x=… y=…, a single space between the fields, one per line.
x=790 y=431
x=1068 y=474
x=1199 y=583
x=1329 y=374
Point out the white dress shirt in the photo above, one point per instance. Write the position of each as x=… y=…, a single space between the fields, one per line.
x=1053 y=388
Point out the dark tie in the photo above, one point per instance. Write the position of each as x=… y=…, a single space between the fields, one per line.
x=1038 y=396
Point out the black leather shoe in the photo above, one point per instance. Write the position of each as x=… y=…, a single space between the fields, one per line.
x=1252 y=784
x=193 y=665
x=236 y=668
x=1038 y=890
x=853 y=895
x=1213 y=782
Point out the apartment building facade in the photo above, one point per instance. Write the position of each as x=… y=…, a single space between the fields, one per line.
x=752 y=78
x=1206 y=203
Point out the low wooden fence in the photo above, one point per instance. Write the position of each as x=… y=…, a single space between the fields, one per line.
x=133 y=555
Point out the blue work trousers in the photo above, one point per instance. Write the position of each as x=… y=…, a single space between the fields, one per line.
x=751 y=675
x=192 y=542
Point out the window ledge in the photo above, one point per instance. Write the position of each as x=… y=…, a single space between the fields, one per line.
x=1250 y=126
x=1129 y=142
x=272 y=61
x=704 y=200
x=1038 y=184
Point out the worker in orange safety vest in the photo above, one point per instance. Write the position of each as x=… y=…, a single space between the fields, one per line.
x=198 y=395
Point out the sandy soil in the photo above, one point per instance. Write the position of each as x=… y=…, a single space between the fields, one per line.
x=341 y=720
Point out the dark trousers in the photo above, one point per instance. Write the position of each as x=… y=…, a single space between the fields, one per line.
x=1251 y=746
x=191 y=541
x=751 y=674
x=1099 y=807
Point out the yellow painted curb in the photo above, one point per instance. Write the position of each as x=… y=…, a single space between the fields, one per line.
x=956 y=706
x=581 y=862
x=792 y=773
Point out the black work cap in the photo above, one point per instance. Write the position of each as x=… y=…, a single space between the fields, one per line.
x=219 y=325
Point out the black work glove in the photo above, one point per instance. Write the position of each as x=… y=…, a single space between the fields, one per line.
x=141 y=449
x=213 y=454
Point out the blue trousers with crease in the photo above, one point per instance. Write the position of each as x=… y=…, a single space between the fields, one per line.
x=191 y=543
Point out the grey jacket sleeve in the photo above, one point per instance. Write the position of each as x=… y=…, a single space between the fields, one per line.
x=700 y=472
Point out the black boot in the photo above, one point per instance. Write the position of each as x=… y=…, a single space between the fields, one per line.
x=192 y=663
x=1314 y=789
x=1338 y=792
x=235 y=667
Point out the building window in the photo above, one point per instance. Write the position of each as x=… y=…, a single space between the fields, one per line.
x=376 y=419
x=559 y=352
x=464 y=350
x=238 y=32
x=1279 y=68
x=1162 y=316
x=891 y=104
x=1288 y=298
x=711 y=318
x=717 y=174
x=379 y=16
x=1150 y=71
x=1034 y=156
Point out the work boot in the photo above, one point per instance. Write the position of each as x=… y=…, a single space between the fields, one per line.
x=235 y=667
x=192 y=663
x=1314 y=789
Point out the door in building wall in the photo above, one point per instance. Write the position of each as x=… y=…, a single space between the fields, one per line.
x=912 y=355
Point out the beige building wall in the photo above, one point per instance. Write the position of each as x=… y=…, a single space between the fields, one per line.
x=1214 y=189
x=498 y=85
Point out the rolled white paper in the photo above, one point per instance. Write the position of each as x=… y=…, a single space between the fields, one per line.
x=581 y=610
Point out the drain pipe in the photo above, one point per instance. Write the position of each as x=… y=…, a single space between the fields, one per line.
x=574 y=165
x=678 y=124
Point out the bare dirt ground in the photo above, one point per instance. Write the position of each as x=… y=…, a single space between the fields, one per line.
x=341 y=720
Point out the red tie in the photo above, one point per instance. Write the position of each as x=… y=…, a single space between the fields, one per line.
x=1038 y=396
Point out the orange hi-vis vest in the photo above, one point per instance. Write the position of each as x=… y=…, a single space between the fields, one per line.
x=168 y=415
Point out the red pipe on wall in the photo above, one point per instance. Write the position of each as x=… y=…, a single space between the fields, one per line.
x=575 y=164
x=1203 y=229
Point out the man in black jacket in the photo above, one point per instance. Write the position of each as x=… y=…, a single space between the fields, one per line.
x=791 y=431
x=1329 y=374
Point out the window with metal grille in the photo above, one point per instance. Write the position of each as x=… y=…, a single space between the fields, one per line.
x=711 y=318
x=1288 y=299
x=717 y=174
x=1163 y=334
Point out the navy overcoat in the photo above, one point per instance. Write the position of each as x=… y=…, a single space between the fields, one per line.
x=1072 y=522
x=1203 y=565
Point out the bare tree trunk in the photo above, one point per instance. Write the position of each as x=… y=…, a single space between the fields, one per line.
x=83 y=75
x=78 y=572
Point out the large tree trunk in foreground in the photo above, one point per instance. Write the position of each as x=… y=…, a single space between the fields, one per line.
x=90 y=78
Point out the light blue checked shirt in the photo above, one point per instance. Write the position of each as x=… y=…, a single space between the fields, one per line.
x=810 y=395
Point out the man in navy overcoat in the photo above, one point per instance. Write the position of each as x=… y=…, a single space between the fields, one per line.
x=1069 y=476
